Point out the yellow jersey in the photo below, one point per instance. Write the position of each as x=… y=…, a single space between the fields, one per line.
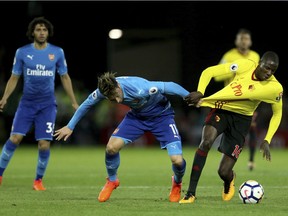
x=231 y=56
x=244 y=93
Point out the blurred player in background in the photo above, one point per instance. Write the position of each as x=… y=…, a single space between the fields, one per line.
x=150 y=111
x=231 y=114
x=243 y=43
x=38 y=63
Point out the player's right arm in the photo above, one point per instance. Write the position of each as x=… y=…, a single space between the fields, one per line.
x=10 y=87
x=66 y=131
x=218 y=70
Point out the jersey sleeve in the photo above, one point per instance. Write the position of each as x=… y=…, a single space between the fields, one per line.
x=171 y=88
x=209 y=73
x=61 y=63
x=17 y=63
x=91 y=100
x=274 y=121
x=276 y=117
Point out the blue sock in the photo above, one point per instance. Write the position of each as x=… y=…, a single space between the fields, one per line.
x=112 y=164
x=6 y=155
x=179 y=171
x=43 y=158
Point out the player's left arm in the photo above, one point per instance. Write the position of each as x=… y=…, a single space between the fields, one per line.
x=273 y=126
x=68 y=87
x=274 y=121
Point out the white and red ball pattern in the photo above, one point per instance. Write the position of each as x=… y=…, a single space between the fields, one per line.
x=251 y=192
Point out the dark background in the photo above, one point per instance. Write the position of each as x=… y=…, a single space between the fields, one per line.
x=205 y=30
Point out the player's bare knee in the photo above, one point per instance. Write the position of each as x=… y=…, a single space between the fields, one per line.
x=43 y=145
x=206 y=144
x=16 y=138
x=111 y=149
x=177 y=160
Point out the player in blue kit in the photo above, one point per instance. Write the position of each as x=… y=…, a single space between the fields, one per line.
x=38 y=63
x=150 y=111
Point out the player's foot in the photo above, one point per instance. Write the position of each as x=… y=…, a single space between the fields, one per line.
x=229 y=189
x=0 y=180
x=251 y=165
x=107 y=190
x=175 y=193
x=38 y=185
x=188 y=198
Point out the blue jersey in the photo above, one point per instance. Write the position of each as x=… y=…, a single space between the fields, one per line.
x=38 y=68
x=145 y=98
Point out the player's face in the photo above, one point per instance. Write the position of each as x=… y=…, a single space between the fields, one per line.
x=117 y=95
x=40 y=33
x=243 y=41
x=265 y=70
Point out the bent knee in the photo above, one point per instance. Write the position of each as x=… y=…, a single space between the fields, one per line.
x=206 y=144
x=112 y=149
x=177 y=160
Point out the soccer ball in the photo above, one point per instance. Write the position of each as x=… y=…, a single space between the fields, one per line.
x=251 y=192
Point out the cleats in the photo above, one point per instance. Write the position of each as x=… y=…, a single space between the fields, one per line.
x=188 y=198
x=175 y=193
x=0 y=180
x=107 y=190
x=251 y=165
x=229 y=190
x=38 y=185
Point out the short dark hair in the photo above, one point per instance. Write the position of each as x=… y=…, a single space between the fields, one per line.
x=39 y=20
x=107 y=83
x=270 y=56
x=244 y=31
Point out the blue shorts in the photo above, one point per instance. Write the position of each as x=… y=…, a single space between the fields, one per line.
x=42 y=116
x=162 y=127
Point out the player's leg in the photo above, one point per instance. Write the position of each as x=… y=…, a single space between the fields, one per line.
x=252 y=148
x=42 y=163
x=231 y=146
x=7 y=152
x=178 y=168
x=209 y=135
x=228 y=176
x=166 y=132
x=127 y=131
x=112 y=161
x=21 y=124
x=44 y=127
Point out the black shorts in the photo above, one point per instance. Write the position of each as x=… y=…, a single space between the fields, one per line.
x=234 y=127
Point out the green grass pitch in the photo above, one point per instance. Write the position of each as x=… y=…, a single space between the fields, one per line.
x=75 y=176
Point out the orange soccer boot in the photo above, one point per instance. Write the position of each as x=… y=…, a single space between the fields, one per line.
x=107 y=190
x=38 y=185
x=175 y=193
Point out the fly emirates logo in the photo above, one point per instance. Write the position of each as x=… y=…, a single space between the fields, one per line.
x=39 y=71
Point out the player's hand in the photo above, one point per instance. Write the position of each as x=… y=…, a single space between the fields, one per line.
x=264 y=148
x=63 y=133
x=75 y=106
x=193 y=99
x=2 y=104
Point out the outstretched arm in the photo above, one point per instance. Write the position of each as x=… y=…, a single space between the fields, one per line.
x=172 y=88
x=66 y=131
